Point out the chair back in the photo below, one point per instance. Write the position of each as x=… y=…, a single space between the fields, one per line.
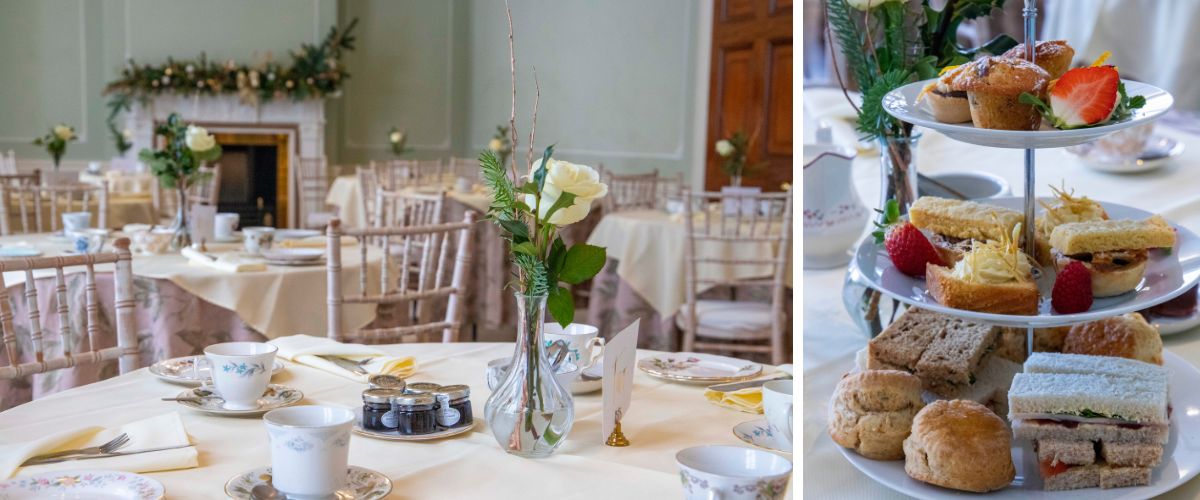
x=737 y=240
x=406 y=208
x=22 y=198
x=126 y=350
x=669 y=188
x=631 y=192
x=312 y=186
x=467 y=168
x=437 y=278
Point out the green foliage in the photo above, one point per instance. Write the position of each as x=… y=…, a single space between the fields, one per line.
x=873 y=120
x=582 y=262
x=561 y=305
x=504 y=143
x=888 y=216
x=56 y=145
x=117 y=104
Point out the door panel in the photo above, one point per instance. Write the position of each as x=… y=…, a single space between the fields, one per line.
x=779 y=101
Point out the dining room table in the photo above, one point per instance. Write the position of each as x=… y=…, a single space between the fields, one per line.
x=663 y=418
x=831 y=338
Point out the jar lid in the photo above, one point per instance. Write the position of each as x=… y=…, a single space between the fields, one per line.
x=422 y=387
x=380 y=396
x=457 y=391
x=382 y=381
x=413 y=400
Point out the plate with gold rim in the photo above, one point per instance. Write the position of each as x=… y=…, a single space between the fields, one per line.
x=695 y=367
x=185 y=370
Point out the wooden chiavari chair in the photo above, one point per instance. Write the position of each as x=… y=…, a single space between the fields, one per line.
x=439 y=278
x=58 y=198
x=669 y=188
x=126 y=350
x=631 y=192
x=312 y=181
x=719 y=249
x=407 y=208
x=19 y=185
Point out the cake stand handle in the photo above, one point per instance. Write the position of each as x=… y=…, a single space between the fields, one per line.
x=1029 y=14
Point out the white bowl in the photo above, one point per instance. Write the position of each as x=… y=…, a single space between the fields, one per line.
x=972 y=185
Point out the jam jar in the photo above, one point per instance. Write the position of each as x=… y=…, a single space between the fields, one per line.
x=421 y=388
x=382 y=381
x=415 y=414
x=454 y=406
x=377 y=412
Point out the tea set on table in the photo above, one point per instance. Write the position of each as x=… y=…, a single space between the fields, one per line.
x=258 y=242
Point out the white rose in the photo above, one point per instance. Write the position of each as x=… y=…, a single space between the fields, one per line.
x=396 y=137
x=863 y=5
x=580 y=180
x=199 y=140
x=127 y=134
x=724 y=147
x=495 y=145
x=63 y=132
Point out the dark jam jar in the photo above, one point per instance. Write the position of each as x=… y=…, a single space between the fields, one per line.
x=421 y=388
x=377 y=409
x=415 y=414
x=381 y=381
x=454 y=406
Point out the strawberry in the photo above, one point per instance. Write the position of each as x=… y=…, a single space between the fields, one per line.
x=907 y=246
x=1072 y=291
x=1085 y=97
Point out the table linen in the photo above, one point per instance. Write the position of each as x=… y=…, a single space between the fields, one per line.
x=831 y=338
x=160 y=431
x=307 y=350
x=663 y=419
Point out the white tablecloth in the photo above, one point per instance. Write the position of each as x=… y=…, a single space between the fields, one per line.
x=830 y=337
x=663 y=419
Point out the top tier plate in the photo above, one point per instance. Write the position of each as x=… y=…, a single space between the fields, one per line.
x=1168 y=274
x=901 y=103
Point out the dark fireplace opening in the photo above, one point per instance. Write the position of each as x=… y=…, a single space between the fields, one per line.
x=248 y=183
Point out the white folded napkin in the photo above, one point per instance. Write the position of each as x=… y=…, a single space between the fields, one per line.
x=224 y=262
x=154 y=432
x=305 y=349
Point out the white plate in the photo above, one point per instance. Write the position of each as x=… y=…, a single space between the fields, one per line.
x=296 y=234
x=15 y=252
x=81 y=484
x=581 y=386
x=362 y=484
x=180 y=370
x=901 y=103
x=235 y=238
x=293 y=254
x=1159 y=151
x=277 y=396
x=1181 y=456
x=396 y=436
x=694 y=367
x=1168 y=274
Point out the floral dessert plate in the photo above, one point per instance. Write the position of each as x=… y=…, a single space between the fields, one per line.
x=186 y=370
x=205 y=399
x=361 y=484
x=81 y=484
x=760 y=434
x=396 y=436
x=698 y=368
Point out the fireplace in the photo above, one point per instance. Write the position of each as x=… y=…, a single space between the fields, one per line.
x=251 y=168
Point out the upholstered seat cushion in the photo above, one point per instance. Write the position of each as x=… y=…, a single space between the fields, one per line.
x=729 y=320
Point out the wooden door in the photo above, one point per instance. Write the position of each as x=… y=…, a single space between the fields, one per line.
x=750 y=88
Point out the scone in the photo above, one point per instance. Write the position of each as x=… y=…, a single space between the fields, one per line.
x=994 y=87
x=1115 y=252
x=1126 y=336
x=960 y=445
x=994 y=277
x=1065 y=208
x=872 y=412
x=1054 y=56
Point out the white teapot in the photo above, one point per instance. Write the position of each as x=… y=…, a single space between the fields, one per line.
x=834 y=216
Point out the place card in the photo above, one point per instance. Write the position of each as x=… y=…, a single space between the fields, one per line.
x=620 y=361
x=203 y=217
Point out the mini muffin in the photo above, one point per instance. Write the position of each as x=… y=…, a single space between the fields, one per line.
x=961 y=445
x=1126 y=336
x=872 y=412
x=1054 y=56
x=994 y=87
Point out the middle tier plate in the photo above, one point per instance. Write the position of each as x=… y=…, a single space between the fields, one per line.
x=1168 y=274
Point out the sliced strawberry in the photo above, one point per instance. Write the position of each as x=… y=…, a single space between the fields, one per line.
x=1072 y=291
x=910 y=250
x=1085 y=96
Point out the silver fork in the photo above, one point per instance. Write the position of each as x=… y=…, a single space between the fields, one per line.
x=109 y=447
x=349 y=364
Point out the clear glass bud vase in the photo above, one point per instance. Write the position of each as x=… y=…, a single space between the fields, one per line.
x=182 y=236
x=529 y=413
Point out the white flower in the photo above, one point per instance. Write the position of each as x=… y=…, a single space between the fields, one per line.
x=863 y=5
x=396 y=136
x=199 y=140
x=496 y=145
x=580 y=180
x=127 y=134
x=63 y=132
x=724 y=147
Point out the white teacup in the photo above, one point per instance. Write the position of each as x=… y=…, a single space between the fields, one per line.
x=241 y=371
x=582 y=341
x=497 y=369
x=777 y=406
x=224 y=224
x=732 y=473
x=310 y=449
x=88 y=240
x=76 y=221
x=258 y=238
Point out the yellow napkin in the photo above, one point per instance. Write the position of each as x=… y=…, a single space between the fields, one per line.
x=315 y=242
x=305 y=349
x=225 y=262
x=747 y=400
x=154 y=432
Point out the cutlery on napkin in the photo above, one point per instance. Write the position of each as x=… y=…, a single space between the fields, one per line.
x=312 y=351
x=140 y=455
x=225 y=262
x=744 y=396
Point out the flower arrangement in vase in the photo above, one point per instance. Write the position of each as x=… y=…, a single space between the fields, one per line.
x=734 y=149
x=398 y=140
x=500 y=144
x=177 y=165
x=56 y=142
x=530 y=413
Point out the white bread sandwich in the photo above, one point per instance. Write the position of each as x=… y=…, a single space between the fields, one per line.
x=1115 y=252
x=954 y=223
x=994 y=277
x=1064 y=209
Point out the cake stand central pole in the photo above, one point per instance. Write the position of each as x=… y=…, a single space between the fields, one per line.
x=1029 y=14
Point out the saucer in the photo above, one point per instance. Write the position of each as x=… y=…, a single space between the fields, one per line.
x=581 y=386
x=364 y=484
x=83 y=484
x=181 y=370
x=277 y=396
x=758 y=433
x=1159 y=151
x=696 y=368
x=395 y=436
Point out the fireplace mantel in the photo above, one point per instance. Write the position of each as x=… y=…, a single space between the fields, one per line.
x=302 y=121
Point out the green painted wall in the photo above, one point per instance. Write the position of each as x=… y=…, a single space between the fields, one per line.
x=617 y=77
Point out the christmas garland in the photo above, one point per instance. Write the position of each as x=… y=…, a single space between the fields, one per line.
x=314 y=73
